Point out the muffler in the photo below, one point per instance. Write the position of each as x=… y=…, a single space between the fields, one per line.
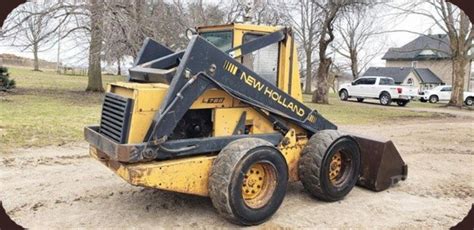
x=381 y=164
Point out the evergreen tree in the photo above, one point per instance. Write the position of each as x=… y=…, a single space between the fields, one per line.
x=5 y=82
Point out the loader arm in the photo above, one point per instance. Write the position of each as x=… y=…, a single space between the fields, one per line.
x=204 y=66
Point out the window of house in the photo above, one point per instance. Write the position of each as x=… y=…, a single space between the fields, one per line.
x=410 y=81
x=221 y=39
x=264 y=61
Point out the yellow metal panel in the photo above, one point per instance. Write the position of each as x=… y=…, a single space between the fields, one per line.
x=215 y=28
x=213 y=98
x=295 y=80
x=256 y=28
x=291 y=147
x=124 y=92
x=188 y=175
x=147 y=102
x=226 y=119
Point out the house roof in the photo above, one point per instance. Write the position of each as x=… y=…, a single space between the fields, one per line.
x=400 y=73
x=422 y=48
x=427 y=76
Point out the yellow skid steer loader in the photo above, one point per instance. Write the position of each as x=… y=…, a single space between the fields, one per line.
x=224 y=118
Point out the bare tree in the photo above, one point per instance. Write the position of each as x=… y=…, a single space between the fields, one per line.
x=455 y=23
x=304 y=16
x=330 y=11
x=94 y=83
x=357 y=32
x=32 y=26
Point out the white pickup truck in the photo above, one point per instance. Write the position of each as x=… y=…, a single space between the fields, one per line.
x=443 y=93
x=376 y=87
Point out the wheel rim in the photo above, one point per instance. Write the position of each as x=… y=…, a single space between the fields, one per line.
x=384 y=99
x=343 y=95
x=469 y=102
x=433 y=99
x=339 y=168
x=258 y=185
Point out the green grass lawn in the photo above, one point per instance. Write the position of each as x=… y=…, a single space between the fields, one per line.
x=352 y=112
x=52 y=109
x=47 y=109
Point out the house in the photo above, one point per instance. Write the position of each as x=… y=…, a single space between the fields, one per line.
x=422 y=78
x=427 y=52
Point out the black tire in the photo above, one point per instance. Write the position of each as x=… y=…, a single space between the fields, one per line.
x=433 y=99
x=228 y=176
x=315 y=162
x=469 y=101
x=343 y=95
x=422 y=100
x=385 y=98
x=360 y=99
x=402 y=103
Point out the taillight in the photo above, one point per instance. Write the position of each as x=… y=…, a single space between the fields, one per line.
x=399 y=90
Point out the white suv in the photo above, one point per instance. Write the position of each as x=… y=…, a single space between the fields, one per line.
x=443 y=93
x=376 y=87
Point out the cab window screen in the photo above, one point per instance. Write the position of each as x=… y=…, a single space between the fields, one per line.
x=264 y=61
x=221 y=39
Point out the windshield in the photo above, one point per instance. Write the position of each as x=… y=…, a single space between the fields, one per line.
x=221 y=39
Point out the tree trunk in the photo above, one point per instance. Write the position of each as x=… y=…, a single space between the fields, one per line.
x=95 y=73
x=119 y=68
x=354 y=63
x=459 y=67
x=309 y=75
x=35 y=56
x=320 y=95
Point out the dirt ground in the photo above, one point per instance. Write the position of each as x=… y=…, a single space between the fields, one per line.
x=58 y=187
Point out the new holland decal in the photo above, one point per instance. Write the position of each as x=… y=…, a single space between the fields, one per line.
x=269 y=91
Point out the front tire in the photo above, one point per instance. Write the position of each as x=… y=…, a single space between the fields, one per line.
x=434 y=99
x=343 y=95
x=329 y=165
x=469 y=101
x=385 y=98
x=248 y=181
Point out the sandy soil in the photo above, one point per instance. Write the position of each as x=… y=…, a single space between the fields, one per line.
x=57 y=187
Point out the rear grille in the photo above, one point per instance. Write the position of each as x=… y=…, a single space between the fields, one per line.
x=115 y=119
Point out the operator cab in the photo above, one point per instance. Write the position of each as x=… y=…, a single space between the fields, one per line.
x=276 y=62
x=263 y=61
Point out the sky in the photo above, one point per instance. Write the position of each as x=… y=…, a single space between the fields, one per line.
x=74 y=53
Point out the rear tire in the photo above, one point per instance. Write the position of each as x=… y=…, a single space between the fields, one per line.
x=385 y=98
x=360 y=99
x=343 y=95
x=402 y=103
x=469 y=101
x=248 y=181
x=318 y=165
x=434 y=99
